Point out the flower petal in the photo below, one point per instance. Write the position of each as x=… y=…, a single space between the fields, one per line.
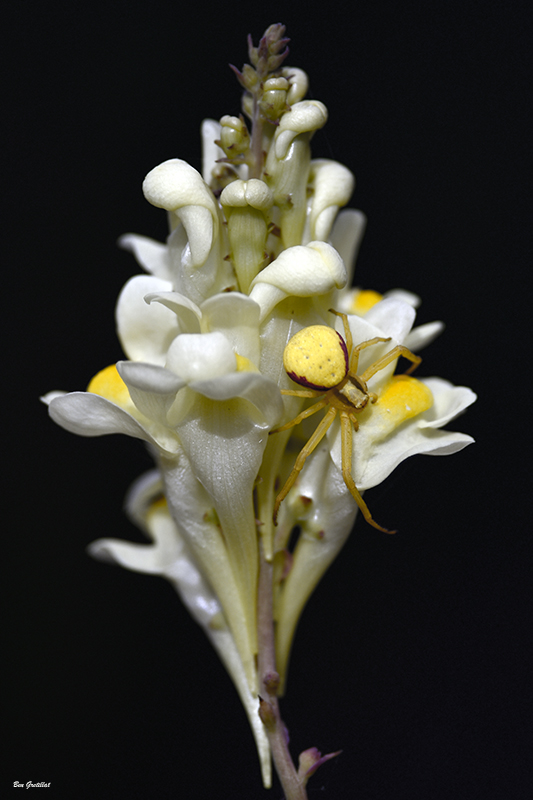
x=393 y=317
x=197 y=356
x=152 y=388
x=225 y=447
x=251 y=386
x=151 y=255
x=423 y=335
x=91 y=415
x=211 y=153
x=449 y=402
x=177 y=187
x=325 y=511
x=237 y=317
x=302 y=271
x=332 y=186
x=170 y=557
x=145 y=332
x=193 y=510
x=188 y=314
x=346 y=237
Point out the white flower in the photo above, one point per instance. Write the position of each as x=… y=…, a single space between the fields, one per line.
x=208 y=407
x=169 y=556
x=405 y=421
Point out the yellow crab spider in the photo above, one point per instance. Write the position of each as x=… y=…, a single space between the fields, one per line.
x=321 y=360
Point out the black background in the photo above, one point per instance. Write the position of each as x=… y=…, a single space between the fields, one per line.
x=413 y=656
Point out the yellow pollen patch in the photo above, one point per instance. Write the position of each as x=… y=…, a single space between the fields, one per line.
x=108 y=383
x=244 y=364
x=315 y=357
x=364 y=301
x=403 y=397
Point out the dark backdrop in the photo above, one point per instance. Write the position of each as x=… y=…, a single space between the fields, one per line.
x=414 y=654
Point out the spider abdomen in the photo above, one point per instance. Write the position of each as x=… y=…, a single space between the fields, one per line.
x=316 y=357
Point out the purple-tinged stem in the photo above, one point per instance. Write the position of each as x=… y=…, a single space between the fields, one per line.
x=268 y=685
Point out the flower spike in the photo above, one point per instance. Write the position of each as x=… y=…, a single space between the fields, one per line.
x=239 y=329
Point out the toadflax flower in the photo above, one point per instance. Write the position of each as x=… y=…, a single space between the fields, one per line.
x=263 y=385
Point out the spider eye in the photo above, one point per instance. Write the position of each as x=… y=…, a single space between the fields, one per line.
x=316 y=357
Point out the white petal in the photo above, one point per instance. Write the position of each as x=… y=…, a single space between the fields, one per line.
x=145 y=332
x=306 y=116
x=258 y=390
x=302 y=271
x=91 y=415
x=346 y=237
x=170 y=557
x=149 y=377
x=140 y=496
x=198 y=224
x=362 y=330
x=197 y=356
x=423 y=335
x=448 y=402
x=333 y=185
x=392 y=316
x=175 y=184
x=152 y=388
x=199 y=282
x=237 y=317
x=193 y=511
x=298 y=83
x=325 y=526
x=210 y=131
x=402 y=294
x=188 y=314
x=151 y=255
x=49 y=396
x=225 y=448
x=409 y=441
x=137 y=557
x=374 y=458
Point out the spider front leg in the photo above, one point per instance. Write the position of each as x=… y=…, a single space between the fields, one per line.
x=381 y=363
x=346 y=460
x=308 y=412
x=306 y=451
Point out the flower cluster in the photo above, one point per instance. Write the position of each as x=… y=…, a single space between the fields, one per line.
x=258 y=250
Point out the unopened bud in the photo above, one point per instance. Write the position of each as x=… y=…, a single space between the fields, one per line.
x=249 y=78
x=273 y=102
x=298 y=83
x=234 y=136
x=267 y=715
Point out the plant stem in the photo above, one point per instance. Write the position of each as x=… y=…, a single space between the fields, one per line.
x=256 y=145
x=268 y=684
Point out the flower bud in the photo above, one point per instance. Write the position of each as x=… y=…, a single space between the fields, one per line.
x=273 y=102
x=287 y=166
x=298 y=83
x=234 y=136
x=301 y=271
x=246 y=205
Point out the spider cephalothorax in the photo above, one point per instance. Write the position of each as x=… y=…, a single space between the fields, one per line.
x=326 y=364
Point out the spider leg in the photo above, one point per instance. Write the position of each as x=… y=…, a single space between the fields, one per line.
x=346 y=454
x=399 y=350
x=303 y=415
x=307 y=449
x=347 y=332
x=354 y=358
x=300 y=392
